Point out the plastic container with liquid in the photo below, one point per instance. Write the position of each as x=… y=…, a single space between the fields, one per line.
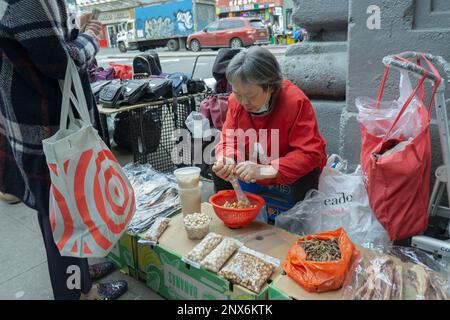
x=188 y=177
x=191 y=199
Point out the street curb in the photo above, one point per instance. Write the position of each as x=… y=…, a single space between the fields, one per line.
x=189 y=54
x=178 y=56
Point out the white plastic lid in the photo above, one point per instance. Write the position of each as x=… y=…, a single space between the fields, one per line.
x=187 y=171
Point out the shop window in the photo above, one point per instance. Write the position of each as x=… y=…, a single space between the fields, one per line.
x=257 y=24
x=288 y=16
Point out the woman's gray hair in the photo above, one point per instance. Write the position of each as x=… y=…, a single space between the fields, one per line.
x=257 y=66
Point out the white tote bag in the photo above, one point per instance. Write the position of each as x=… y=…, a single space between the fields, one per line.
x=91 y=199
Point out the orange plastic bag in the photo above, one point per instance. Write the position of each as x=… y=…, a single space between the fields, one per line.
x=316 y=276
x=122 y=71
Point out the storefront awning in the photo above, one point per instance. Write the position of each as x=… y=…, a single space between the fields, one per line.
x=224 y=6
x=107 y=5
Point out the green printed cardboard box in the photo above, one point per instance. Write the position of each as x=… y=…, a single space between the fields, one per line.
x=124 y=254
x=172 y=278
x=284 y=288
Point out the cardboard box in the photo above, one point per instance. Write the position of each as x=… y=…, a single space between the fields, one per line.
x=174 y=279
x=284 y=288
x=124 y=254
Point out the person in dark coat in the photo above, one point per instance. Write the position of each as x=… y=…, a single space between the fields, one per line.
x=36 y=38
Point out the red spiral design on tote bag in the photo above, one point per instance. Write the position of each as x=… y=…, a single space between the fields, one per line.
x=103 y=197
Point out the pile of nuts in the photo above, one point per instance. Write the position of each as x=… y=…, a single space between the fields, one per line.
x=321 y=250
x=196 y=225
x=217 y=258
x=200 y=251
x=157 y=229
x=248 y=271
x=238 y=205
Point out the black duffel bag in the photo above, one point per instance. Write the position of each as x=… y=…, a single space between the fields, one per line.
x=147 y=64
x=97 y=87
x=196 y=86
x=151 y=122
x=111 y=95
x=134 y=91
x=158 y=88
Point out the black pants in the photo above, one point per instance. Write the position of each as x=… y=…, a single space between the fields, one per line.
x=299 y=188
x=60 y=268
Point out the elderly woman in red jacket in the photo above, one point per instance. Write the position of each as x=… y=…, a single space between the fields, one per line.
x=288 y=148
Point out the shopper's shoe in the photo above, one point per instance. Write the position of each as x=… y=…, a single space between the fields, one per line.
x=100 y=270
x=9 y=198
x=106 y=291
x=112 y=290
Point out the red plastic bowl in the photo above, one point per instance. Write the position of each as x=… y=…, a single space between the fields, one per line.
x=236 y=218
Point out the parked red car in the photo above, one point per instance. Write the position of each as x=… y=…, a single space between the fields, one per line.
x=229 y=32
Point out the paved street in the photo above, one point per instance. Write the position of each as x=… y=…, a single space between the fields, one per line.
x=180 y=61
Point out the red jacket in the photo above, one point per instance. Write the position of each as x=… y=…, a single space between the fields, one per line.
x=301 y=147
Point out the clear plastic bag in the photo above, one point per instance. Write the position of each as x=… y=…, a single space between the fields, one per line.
x=197 y=225
x=249 y=269
x=341 y=202
x=198 y=125
x=217 y=258
x=156 y=230
x=155 y=193
x=263 y=215
x=317 y=213
x=378 y=121
x=201 y=250
x=397 y=273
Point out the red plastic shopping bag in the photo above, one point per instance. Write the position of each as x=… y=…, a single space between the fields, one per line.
x=122 y=71
x=318 y=276
x=398 y=182
x=91 y=199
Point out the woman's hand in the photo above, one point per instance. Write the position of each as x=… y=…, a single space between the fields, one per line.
x=84 y=19
x=94 y=28
x=225 y=168
x=249 y=172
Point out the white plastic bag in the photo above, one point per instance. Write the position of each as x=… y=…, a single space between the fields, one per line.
x=378 y=121
x=198 y=125
x=340 y=202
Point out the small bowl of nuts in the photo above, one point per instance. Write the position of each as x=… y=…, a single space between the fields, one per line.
x=196 y=225
x=233 y=213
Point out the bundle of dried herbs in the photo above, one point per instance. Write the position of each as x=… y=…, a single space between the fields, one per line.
x=321 y=250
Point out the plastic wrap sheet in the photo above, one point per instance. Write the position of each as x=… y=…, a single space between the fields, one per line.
x=397 y=273
x=156 y=196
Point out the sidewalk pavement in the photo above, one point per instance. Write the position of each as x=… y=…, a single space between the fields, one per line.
x=23 y=268
x=23 y=263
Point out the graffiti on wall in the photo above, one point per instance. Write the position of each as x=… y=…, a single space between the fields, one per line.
x=163 y=27
x=159 y=28
x=185 y=21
